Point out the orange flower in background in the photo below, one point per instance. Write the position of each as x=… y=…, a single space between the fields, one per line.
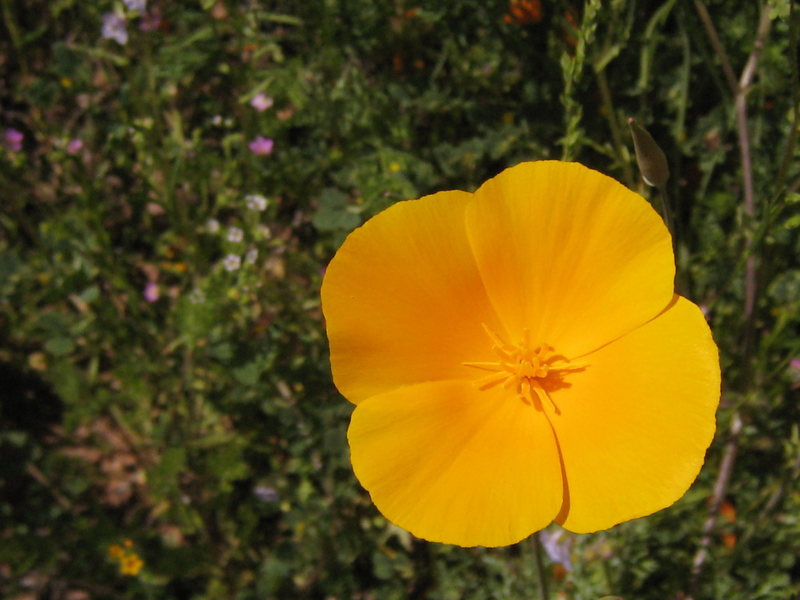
x=523 y=12
x=727 y=511
x=729 y=540
x=728 y=514
x=518 y=356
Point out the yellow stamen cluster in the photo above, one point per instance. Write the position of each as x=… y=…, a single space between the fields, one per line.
x=523 y=367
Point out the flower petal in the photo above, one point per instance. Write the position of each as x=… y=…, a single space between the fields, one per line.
x=569 y=254
x=453 y=464
x=403 y=300
x=635 y=424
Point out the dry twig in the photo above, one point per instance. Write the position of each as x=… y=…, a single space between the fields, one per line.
x=739 y=89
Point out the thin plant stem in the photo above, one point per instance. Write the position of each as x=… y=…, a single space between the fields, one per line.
x=14 y=34
x=37 y=474
x=571 y=68
x=747 y=174
x=739 y=89
x=718 y=493
x=613 y=123
x=538 y=552
x=790 y=476
x=713 y=37
x=789 y=150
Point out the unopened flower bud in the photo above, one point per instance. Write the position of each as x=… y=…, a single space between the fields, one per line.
x=650 y=158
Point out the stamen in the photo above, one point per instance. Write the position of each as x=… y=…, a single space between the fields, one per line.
x=523 y=368
x=491 y=381
x=503 y=354
x=493 y=336
x=485 y=366
x=540 y=391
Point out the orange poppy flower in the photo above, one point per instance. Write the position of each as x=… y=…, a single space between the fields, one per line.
x=518 y=356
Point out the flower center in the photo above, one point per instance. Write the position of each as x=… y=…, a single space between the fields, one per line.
x=526 y=368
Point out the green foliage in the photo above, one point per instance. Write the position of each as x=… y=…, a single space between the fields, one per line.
x=162 y=353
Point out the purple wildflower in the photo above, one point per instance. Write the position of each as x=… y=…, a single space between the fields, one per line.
x=151 y=291
x=114 y=28
x=14 y=139
x=261 y=146
x=558 y=546
x=137 y=5
x=74 y=146
x=266 y=493
x=794 y=372
x=151 y=21
x=261 y=102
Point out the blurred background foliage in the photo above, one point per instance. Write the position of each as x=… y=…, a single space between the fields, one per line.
x=168 y=425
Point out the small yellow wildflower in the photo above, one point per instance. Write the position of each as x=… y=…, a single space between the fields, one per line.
x=130 y=564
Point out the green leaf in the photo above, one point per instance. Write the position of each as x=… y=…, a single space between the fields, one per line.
x=222 y=351
x=248 y=374
x=9 y=264
x=163 y=478
x=333 y=213
x=59 y=346
x=335 y=220
x=227 y=463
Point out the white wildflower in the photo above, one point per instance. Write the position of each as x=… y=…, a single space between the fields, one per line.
x=232 y=262
x=235 y=235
